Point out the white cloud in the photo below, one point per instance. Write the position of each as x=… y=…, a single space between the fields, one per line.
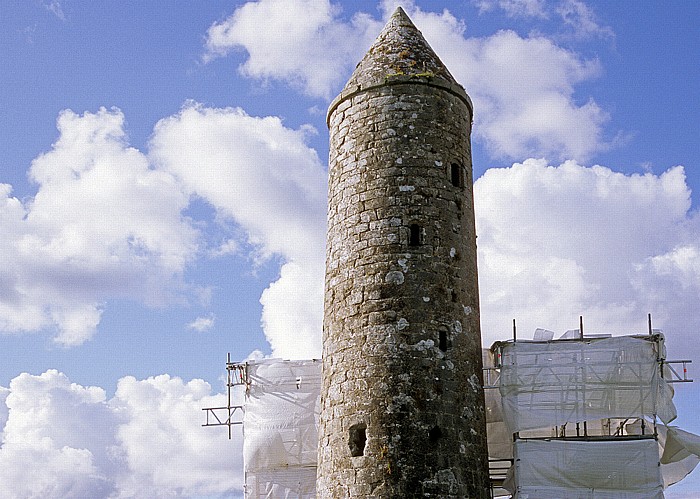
x=4 y=392
x=52 y=446
x=228 y=247
x=166 y=450
x=670 y=281
x=202 y=324
x=559 y=242
x=101 y=225
x=514 y=8
x=293 y=311
x=584 y=23
x=263 y=176
x=579 y=19
x=524 y=89
x=65 y=440
x=300 y=42
x=105 y=223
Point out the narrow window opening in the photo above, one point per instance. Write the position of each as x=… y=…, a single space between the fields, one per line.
x=453 y=296
x=456 y=175
x=434 y=434
x=358 y=439
x=442 y=340
x=414 y=237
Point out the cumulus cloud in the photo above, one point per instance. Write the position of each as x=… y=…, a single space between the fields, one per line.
x=301 y=42
x=49 y=449
x=523 y=90
x=165 y=448
x=671 y=283
x=264 y=177
x=556 y=242
x=106 y=221
x=4 y=392
x=102 y=224
x=62 y=439
x=293 y=311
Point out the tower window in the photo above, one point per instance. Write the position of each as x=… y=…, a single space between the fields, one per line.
x=442 y=340
x=434 y=434
x=456 y=175
x=358 y=439
x=414 y=236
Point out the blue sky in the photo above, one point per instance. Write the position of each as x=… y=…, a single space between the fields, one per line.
x=163 y=202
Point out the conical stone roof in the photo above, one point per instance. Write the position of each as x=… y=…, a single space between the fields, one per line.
x=399 y=50
x=400 y=54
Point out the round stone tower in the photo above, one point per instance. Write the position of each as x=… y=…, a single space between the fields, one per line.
x=402 y=405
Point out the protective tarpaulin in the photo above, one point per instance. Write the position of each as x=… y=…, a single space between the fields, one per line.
x=292 y=483
x=280 y=427
x=498 y=437
x=545 y=384
x=680 y=453
x=554 y=469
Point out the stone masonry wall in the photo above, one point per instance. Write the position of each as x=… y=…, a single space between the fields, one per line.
x=402 y=399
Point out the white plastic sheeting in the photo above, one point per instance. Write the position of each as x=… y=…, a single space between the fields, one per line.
x=554 y=469
x=559 y=381
x=550 y=384
x=498 y=437
x=280 y=428
x=680 y=453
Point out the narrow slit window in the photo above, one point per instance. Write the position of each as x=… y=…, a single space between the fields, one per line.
x=442 y=340
x=358 y=439
x=456 y=175
x=414 y=237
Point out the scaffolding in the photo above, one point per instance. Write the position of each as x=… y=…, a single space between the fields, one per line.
x=230 y=415
x=576 y=417
x=280 y=425
x=585 y=417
